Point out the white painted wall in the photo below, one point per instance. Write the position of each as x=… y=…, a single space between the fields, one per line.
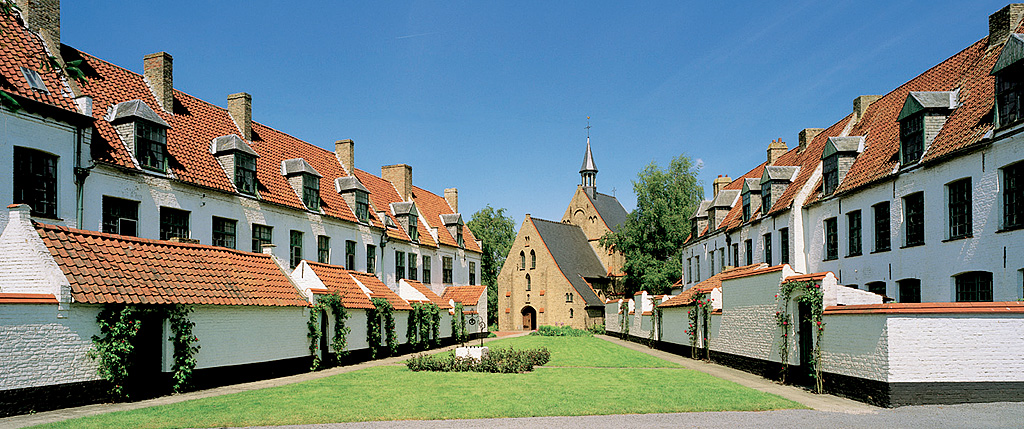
x=956 y=347
x=747 y=326
x=234 y=335
x=856 y=345
x=40 y=349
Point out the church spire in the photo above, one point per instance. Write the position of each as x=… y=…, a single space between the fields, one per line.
x=588 y=172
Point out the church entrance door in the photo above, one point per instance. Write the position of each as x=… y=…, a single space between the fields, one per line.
x=529 y=318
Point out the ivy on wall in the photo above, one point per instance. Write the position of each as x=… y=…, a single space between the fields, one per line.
x=655 y=334
x=115 y=348
x=700 y=316
x=339 y=341
x=812 y=295
x=459 y=325
x=424 y=326
x=624 y=318
x=381 y=318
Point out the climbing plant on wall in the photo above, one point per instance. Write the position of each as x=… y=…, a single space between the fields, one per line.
x=423 y=325
x=624 y=318
x=811 y=295
x=459 y=325
x=381 y=318
x=339 y=341
x=700 y=317
x=185 y=347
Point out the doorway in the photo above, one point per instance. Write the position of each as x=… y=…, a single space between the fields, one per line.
x=806 y=343
x=529 y=318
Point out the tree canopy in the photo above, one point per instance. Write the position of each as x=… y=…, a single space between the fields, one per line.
x=497 y=232
x=652 y=237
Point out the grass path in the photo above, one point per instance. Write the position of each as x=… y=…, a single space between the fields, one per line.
x=615 y=380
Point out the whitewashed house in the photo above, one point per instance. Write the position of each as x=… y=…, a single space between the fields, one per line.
x=474 y=306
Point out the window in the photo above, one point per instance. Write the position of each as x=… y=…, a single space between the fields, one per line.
x=959 y=193
x=568 y=297
x=711 y=263
x=413 y=269
x=414 y=233
x=446 y=269
x=736 y=254
x=746 y=206
x=533 y=259
x=371 y=259
x=120 y=216
x=830 y=174
x=721 y=258
x=245 y=173
x=831 y=239
x=35 y=181
x=1009 y=99
x=458 y=236
x=261 y=234
x=350 y=254
x=426 y=269
x=689 y=270
x=909 y=290
x=472 y=273
x=323 y=249
x=766 y=198
x=882 y=232
x=150 y=145
x=311 y=191
x=749 y=251
x=399 y=265
x=876 y=287
x=529 y=285
x=767 y=242
x=224 y=232
x=784 y=246
x=913 y=212
x=173 y=223
x=974 y=286
x=696 y=273
x=912 y=138
x=1013 y=196
x=570 y=313
x=362 y=206
x=522 y=260
x=295 y=247
x=853 y=247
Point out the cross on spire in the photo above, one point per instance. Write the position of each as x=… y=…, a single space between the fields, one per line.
x=588 y=127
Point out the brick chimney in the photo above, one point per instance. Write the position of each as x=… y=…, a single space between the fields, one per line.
x=451 y=195
x=401 y=176
x=240 y=108
x=806 y=135
x=1003 y=23
x=776 y=149
x=43 y=15
x=860 y=105
x=719 y=184
x=345 y=151
x=158 y=72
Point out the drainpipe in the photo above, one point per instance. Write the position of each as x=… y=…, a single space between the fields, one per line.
x=81 y=173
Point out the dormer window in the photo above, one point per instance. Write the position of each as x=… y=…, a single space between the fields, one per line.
x=408 y=216
x=458 y=237
x=1009 y=73
x=143 y=132
x=453 y=222
x=837 y=157
x=413 y=230
x=923 y=115
x=751 y=189
x=245 y=173
x=311 y=191
x=746 y=206
x=150 y=145
x=362 y=206
x=830 y=174
x=766 y=198
x=911 y=139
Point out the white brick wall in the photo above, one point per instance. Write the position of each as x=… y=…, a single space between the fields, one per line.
x=38 y=349
x=949 y=347
x=234 y=335
x=747 y=326
x=675 y=321
x=856 y=345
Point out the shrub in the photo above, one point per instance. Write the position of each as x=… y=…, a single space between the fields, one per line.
x=498 y=360
x=597 y=329
x=560 y=331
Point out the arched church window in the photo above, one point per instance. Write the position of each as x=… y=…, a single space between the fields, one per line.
x=570 y=313
x=528 y=285
x=522 y=260
x=533 y=259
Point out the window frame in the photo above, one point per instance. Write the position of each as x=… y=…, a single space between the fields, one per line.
x=362 y=206
x=784 y=245
x=350 y=254
x=1009 y=96
x=323 y=249
x=746 y=207
x=1013 y=195
x=882 y=227
x=295 y=239
x=912 y=139
x=854 y=227
x=399 y=265
x=913 y=219
x=261 y=234
x=413 y=273
x=311 y=191
x=245 y=173
x=766 y=197
x=749 y=250
x=170 y=225
x=472 y=273
x=533 y=259
x=35 y=181
x=980 y=283
x=447 y=270
x=150 y=145
x=830 y=227
x=830 y=174
x=766 y=242
x=224 y=232
x=909 y=290
x=413 y=229
x=117 y=212
x=371 y=259
x=426 y=269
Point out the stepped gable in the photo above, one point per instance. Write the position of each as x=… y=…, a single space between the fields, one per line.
x=432 y=206
x=572 y=254
x=22 y=48
x=106 y=268
x=379 y=290
x=339 y=280
x=431 y=296
x=465 y=295
x=194 y=124
x=967 y=71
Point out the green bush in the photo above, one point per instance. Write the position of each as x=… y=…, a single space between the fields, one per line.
x=597 y=329
x=498 y=360
x=560 y=331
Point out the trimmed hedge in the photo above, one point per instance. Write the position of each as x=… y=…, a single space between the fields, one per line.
x=498 y=360
x=560 y=331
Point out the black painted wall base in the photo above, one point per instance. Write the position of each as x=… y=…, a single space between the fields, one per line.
x=45 y=398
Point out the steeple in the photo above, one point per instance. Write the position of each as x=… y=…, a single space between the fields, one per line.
x=588 y=171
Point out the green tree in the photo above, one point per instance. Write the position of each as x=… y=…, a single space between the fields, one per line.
x=652 y=237
x=497 y=232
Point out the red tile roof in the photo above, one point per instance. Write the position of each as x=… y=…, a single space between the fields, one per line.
x=762 y=269
x=432 y=206
x=711 y=283
x=465 y=295
x=431 y=296
x=379 y=290
x=27 y=298
x=929 y=308
x=106 y=268
x=339 y=280
x=807 y=277
x=21 y=48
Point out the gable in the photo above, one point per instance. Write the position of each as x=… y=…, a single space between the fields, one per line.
x=573 y=256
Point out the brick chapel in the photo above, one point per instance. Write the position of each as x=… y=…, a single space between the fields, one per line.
x=557 y=273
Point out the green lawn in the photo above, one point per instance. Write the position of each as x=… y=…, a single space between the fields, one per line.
x=627 y=382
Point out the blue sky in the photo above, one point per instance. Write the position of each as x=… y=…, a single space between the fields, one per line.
x=493 y=97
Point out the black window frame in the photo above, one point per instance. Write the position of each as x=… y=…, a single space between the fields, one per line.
x=854 y=226
x=323 y=249
x=696 y=263
x=399 y=265
x=973 y=286
x=120 y=216
x=413 y=230
x=35 y=178
x=261 y=234
x=831 y=228
x=426 y=269
x=295 y=247
x=371 y=259
x=783 y=246
x=766 y=241
x=746 y=207
x=913 y=219
x=245 y=173
x=472 y=273
x=174 y=223
x=413 y=273
x=224 y=232
x=878 y=287
x=909 y=290
x=749 y=251
x=766 y=198
x=311 y=192
x=883 y=227
x=736 y=254
x=830 y=174
x=1009 y=95
x=959 y=208
x=1013 y=195
x=350 y=254
x=912 y=139
x=151 y=145
x=447 y=270
x=362 y=206
x=533 y=259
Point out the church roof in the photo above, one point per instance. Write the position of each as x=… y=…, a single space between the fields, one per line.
x=610 y=210
x=588 y=160
x=572 y=253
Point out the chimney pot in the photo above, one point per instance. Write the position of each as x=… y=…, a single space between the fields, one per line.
x=399 y=175
x=1004 y=22
x=345 y=151
x=158 y=70
x=240 y=109
x=776 y=149
x=451 y=195
x=719 y=184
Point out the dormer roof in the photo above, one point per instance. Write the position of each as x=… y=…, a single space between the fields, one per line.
x=128 y=110
x=403 y=208
x=751 y=185
x=294 y=166
x=780 y=173
x=451 y=219
x=725 y=198
x=922 y=100
x=1013 y=52
x=702 y=209
x=349 y=184
x=230 y=143
x=843 y=145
